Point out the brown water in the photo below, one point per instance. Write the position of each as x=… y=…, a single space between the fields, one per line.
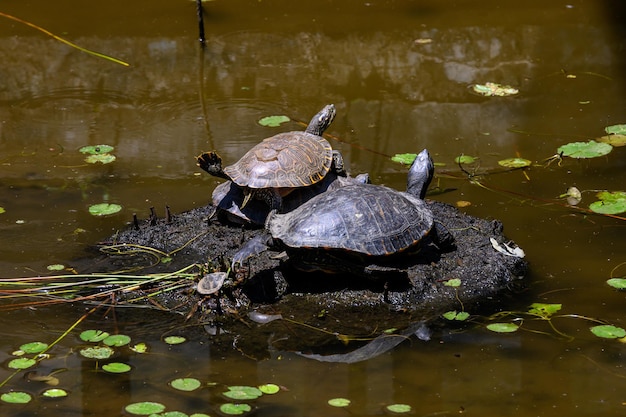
x=393 y=95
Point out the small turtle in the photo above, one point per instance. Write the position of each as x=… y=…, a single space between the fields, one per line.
x=281 y=163
x=356 y=228
x=229 y=198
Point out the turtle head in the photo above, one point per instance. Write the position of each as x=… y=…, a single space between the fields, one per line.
x=420 y=174
x=320 y=122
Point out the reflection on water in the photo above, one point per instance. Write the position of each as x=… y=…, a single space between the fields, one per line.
x=392 y=95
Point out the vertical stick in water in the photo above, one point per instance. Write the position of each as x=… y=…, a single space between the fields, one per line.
x=200 y=13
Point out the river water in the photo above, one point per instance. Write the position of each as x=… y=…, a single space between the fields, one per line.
x=399 y=73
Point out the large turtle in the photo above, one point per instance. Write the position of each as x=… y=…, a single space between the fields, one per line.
x=281 y=163
x=356 y=228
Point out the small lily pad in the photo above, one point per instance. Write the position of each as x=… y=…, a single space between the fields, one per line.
x=97 y=352
x=16 y=397
x=613 y=140
x=116 y=368
x=34 y=347
x=2 y=210
x=544 y=310
x=174 y=340
x=235 y=409
x=339 y=402
x=117 y=340
x=503 y=327
x=94 y=335
x=54 y=393
x=139 y=348
x=616 y=129
x=55 y=267
x=22 y=363
x=273 y=121
x=490 y=89
x=404 y=158
x=145 y=408
x=514 y=163
x=591 y=149
x=104 y=209
x=269 y=388
x=608 y=331
x=454 y=282
x=454 y=315
x=242 y=392
x=105 y=158
x=609 y=203
x=185 y=384
x=97 y=149
x=465 y=159
x=399 y=408
x=619 y=283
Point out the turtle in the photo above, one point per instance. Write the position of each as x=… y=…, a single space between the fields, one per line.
x=281 y=163
x=228 y=198
x=358 y=228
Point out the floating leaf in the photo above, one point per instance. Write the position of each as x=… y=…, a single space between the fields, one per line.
x=145 y=408
x=619 y=283
x=117 y=340
x=185 y=384
x=139 y=348
x=490 y=89
x=55 y=267
x=463 y=203
x=16 y=397
x=22 y=363
x=544 y=310
x=613 y=140
x=242 y=392
x=608 y=331
x=93 y=335
x=54 y=393
x=105 y=158
x=273 y=121
x=199 y=415
x=454 y=282
x=96 y=149
x=116 y=367
x=97 y=352
x=269 y=388
x=2 y=210
x=616 y=130
x=610 y=202
x=404 y=158
x=503 y=327
x=171 y=414
x=104 y=209
x=465 y=159
x=174 y=340
x=454 y=315
x=573 y=196
x=34 y=347
x=339 y=402
x=399 y=408
x=514 y=163
x=235 y=409
x=591 y=149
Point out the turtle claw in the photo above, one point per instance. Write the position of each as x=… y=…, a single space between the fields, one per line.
x=211 y=162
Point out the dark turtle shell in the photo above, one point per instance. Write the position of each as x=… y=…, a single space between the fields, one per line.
x=286 y=160
x=367 y=219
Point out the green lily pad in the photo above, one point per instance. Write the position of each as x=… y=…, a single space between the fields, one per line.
x=34 y=347
x=515 y=163
x=503 y=327
x=339 y=402
x=269 y=388
x=619 y=283
x=16 y=397
x=2 y=210
x=454 y=315
x=235 y=409
x=145 y=408
x=96 y=149
x=104 y=209
x=608 y=331
x=171 y=414
x=117 y=340
x=242 y=392
x=97 y=352
x=613 y=140
x=54 y=393
x=105 y=158
x=199 y=415
x=591 y=149
x=93 y=335
x=399 y=408
x=404 y=158
x=174 y=340
x=139 y=348
x=273 y=121
x=544 y=310
x=185 y=384
x=490 y=89
x=610 y=202
x=116 y=368
x=465 y=159
x=22 y=363
x=616 y=130
x=454 y=282
x=55 y=267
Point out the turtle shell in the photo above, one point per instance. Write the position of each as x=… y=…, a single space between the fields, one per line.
x=368 y=219
x=286 y=160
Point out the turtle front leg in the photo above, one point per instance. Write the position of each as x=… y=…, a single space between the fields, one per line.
x=211 y=162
